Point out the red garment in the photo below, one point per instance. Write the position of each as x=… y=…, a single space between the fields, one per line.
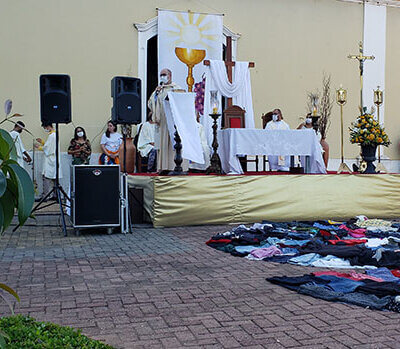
x=352 y=275
x=324 y=232
x=396 y=272
x=349 y=242
x=220 y=241
x=355 y=233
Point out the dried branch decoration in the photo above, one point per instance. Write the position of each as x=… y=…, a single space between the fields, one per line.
x=326 y=104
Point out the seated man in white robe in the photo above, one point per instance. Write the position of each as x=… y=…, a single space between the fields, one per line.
x=145 y=144
x=194 y=166
x=278 y=163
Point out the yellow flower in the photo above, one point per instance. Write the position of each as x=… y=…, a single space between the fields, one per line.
x=379 y=140
x=371 y=137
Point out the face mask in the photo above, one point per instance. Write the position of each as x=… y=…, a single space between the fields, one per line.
x=308 y=120
x=80 y=134
x=46 y=130
x=275 y=117
x=163 y=79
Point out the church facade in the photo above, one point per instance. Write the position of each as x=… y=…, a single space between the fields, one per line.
x=292 y=42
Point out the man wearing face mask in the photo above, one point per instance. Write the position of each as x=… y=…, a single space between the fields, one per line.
x=163 y=143
x=49 y=163
x=22 y=154
x=278 y=163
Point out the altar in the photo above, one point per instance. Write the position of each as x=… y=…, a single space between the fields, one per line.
x=236 y=142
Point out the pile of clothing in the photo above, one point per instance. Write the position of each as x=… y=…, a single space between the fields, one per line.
x=377 y=289
x=360 y=243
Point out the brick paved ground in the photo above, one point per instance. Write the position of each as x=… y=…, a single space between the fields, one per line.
x=164 y=288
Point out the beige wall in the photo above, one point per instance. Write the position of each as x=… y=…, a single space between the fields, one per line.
x=292 y=42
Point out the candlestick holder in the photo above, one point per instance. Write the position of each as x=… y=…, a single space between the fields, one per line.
x=378 y=101
x=341 y=99
x=215 y=162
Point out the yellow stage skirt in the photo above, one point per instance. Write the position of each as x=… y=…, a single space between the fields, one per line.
x=195 y=200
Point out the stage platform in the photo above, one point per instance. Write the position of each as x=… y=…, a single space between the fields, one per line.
x=200 y=199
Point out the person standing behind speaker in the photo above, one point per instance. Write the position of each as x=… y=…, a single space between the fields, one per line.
x=80 y=148
x=49 y=162
x=22 y=154
x=110 y=144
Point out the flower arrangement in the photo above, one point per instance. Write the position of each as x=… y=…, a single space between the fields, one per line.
x=367 y=131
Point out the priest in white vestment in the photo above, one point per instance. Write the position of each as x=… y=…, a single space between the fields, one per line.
x=163 y=143
x=278 y=163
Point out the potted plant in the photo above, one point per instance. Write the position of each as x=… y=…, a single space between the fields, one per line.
x=367 y=132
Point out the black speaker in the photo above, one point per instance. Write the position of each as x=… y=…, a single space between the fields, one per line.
x=127 y=105
x=55 y=98
x=95 y=195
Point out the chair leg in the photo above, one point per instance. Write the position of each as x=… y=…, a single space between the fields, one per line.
x=256 y=163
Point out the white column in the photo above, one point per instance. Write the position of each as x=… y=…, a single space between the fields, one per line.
x=374 y=45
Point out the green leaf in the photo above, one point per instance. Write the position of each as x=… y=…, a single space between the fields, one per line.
x=6 y=137
x=26 y=193
x=8 y=201
x=10 y=291
x=3 y=344
x=4 y=149
x=3 y=183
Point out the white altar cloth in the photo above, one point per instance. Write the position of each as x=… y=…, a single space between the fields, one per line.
x=241 y=141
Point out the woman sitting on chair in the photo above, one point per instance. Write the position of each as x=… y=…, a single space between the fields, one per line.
x=110 y=143
x=79 y=147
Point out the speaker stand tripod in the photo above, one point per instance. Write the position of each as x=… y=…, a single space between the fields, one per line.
x=126 y=226
x=56 y=191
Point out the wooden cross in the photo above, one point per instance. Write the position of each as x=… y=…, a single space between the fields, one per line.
x=361 y=58
x=229 y=63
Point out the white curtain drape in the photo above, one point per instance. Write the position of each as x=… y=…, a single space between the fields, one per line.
x=239 y=90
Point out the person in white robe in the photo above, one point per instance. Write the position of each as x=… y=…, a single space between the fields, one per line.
x=205 y=147
x=49 y=163
x=306 y=125
x=22 y=154
x=145 y=144
x=278 y=163
x=163 y=143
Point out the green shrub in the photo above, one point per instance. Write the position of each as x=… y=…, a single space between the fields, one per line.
x=26 y=333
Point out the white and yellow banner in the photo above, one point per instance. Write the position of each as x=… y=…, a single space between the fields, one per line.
x=187 y=30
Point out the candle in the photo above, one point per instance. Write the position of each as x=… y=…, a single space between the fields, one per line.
x=214 y=101
x=378 y=96
x=341 y=96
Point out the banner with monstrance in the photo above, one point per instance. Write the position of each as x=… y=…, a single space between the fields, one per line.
x=178 y=32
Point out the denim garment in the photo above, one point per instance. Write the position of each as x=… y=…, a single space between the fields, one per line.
x=383 y=273
x=357 y=298
x=289 y=251
x=325 y=226
x=299 y=236
x=246 y=248
x=287 y=242
x=305 y=259
x=339 y=284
